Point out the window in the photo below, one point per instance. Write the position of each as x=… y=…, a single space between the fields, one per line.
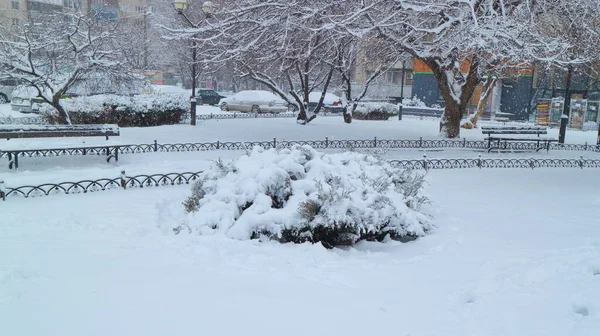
x=15 y=4
x=69 y=3
x=395 y=77
x=408 y=77
x=15 y=21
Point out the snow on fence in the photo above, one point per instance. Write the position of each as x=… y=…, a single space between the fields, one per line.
x=317 y=144
x=171 y=179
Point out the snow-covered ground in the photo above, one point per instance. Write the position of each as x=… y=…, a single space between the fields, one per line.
x=35 y=171
x=514 y=252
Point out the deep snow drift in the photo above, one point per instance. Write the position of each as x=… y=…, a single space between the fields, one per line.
x=513 y=252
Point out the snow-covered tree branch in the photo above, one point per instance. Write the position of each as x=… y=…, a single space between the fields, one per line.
x=54 y=52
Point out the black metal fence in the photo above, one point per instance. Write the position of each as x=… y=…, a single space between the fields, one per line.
x=85 y=186
x=158 y=180
x=318 y=144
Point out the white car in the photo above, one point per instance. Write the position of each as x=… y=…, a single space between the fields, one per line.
x=6 y=89
x=254 y=101
x=331 y=102
x=25 y=100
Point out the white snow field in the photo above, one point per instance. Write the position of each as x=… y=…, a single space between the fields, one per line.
x=514 y=252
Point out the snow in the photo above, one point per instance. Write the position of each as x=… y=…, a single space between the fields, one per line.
x=254 y=95
x=511 y=251
x=7 y=112
x=329 y=99
x=39 y=170
x=170 y=89
x=353 y=189
x=104 y=263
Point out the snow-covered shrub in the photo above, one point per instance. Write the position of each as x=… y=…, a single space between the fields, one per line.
x=374 y=111
x=126 y=111
x=413 y=101
x=301 y=195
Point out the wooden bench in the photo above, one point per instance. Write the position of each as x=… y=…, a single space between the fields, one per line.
x=496 y=140
x=57 y=131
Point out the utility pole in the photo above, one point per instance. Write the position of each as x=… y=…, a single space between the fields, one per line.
x=564 y=118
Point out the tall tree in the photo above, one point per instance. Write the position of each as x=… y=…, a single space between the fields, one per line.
x=459 y=40
x=54 y=52
x=289 y=46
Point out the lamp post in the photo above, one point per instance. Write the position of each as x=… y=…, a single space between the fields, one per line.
x=208 y=8
x=401 y=91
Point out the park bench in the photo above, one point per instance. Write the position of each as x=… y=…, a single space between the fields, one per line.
x=57 y=131
x=497 y=139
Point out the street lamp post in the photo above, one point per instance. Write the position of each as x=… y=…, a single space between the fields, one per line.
x=401 y=92
x=208 y=7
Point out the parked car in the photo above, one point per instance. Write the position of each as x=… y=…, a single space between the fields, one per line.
x=254 y=101
x=25 y=100
x=331 y=103
x=208 y=96
x=6 y=88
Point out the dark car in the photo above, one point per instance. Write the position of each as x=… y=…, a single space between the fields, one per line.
x=209 y=96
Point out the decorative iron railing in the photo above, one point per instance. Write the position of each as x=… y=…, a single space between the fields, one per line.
x=85 y=186
x=157 y=180
x=318 y=144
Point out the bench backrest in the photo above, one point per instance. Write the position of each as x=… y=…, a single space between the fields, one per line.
x=514 y=130
x=50 y=131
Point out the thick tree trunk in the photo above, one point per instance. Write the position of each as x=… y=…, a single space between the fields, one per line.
x=63 y=115
x=450 y=122
x=456 y=89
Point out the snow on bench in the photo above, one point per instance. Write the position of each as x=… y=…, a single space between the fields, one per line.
x=499 y=142
x=57 y=131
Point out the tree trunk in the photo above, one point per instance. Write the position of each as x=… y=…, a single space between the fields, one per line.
x=485 y=93
x=350 y=107
x=63 y=115
x=449 y=78
x=450 y=122
x=301 y=119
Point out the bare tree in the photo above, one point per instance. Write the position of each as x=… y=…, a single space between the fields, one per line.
x=366 y=51
x=576 y=25
x=290 y=47
x=54 y=52
x=458 y=40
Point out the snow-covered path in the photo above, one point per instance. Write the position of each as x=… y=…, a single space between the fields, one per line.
x=515 y=252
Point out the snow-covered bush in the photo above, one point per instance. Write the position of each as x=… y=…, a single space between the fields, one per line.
x=301 y=195
x=413 y=101
x=374 y=111
x=126 y=111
